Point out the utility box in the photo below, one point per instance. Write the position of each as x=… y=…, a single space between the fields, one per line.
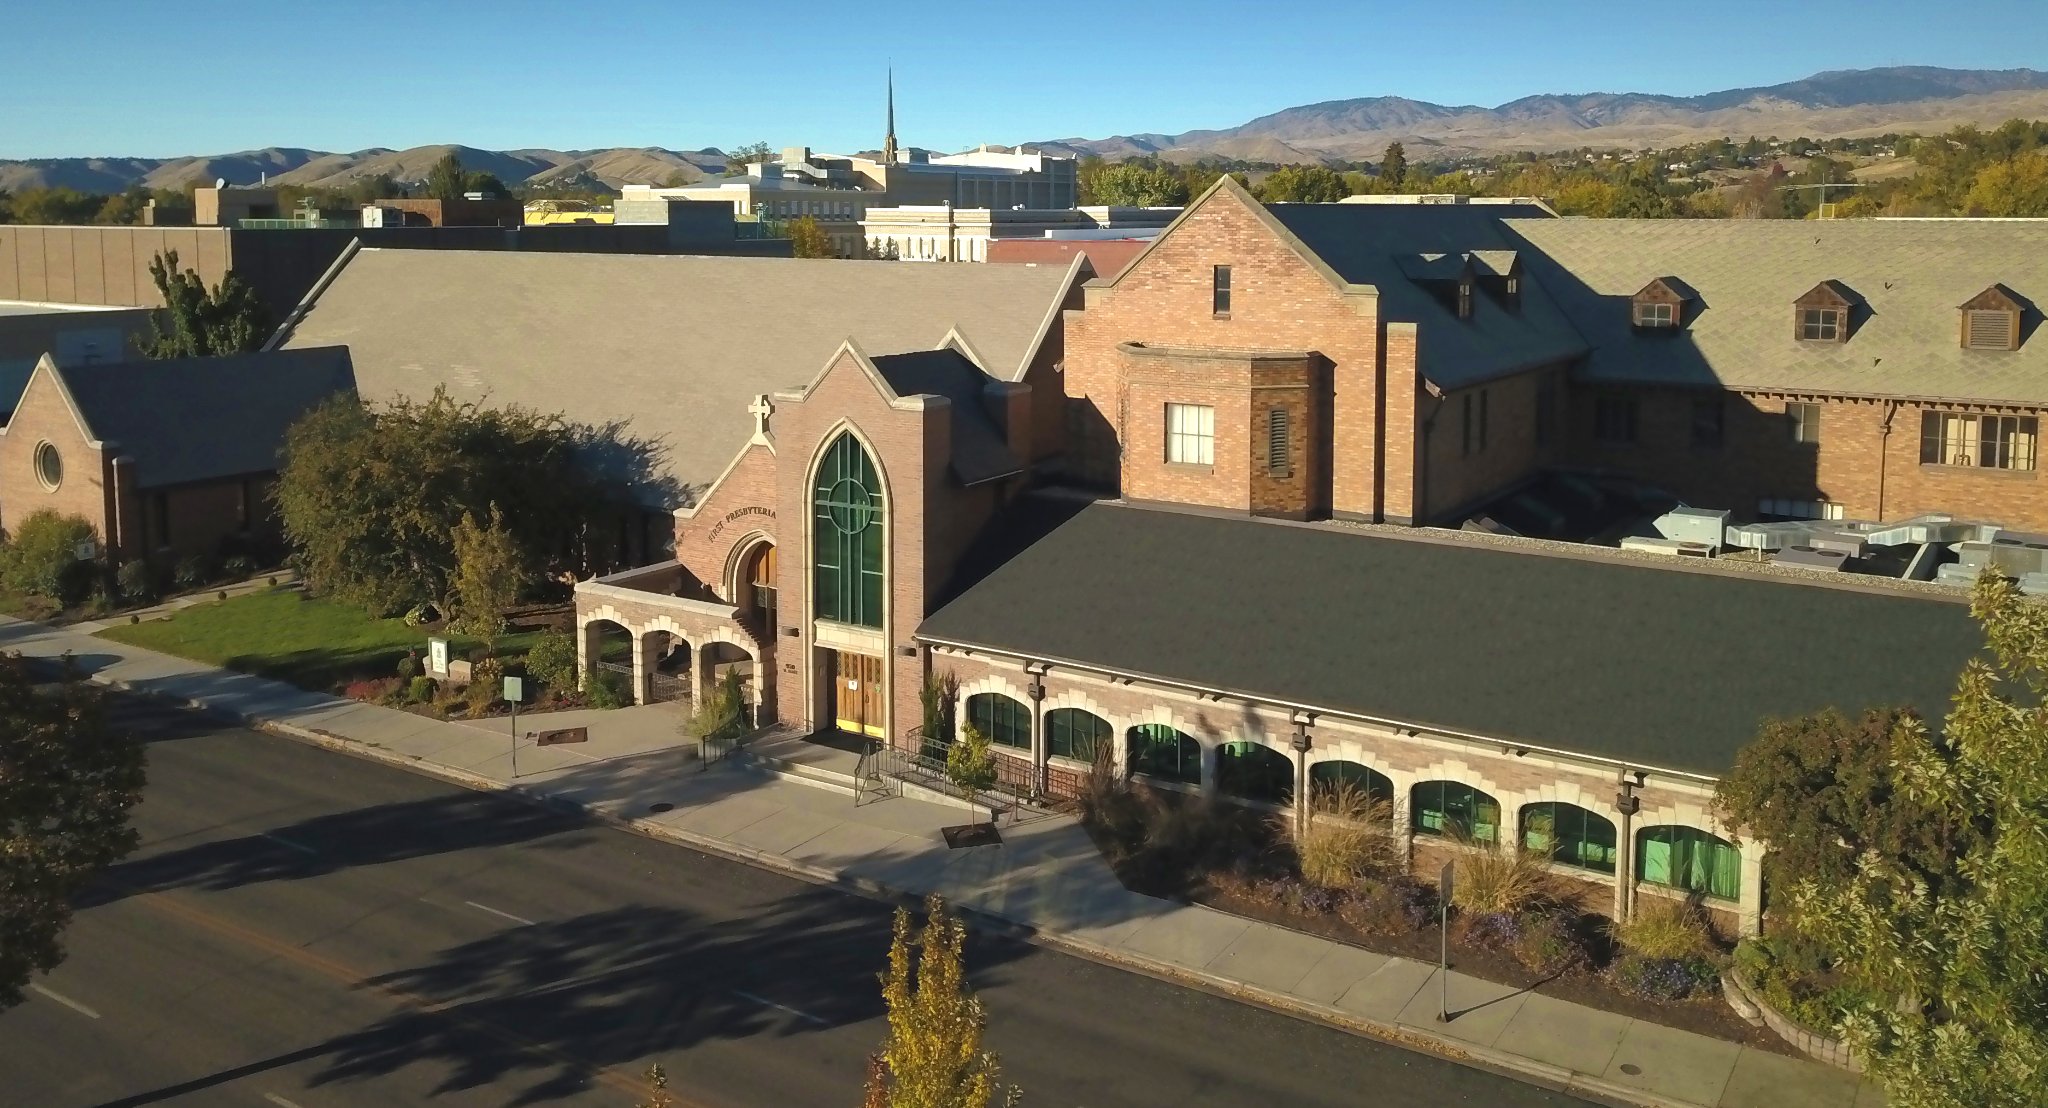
x=1694 y=525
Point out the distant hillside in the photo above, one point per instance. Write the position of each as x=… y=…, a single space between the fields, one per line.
x=1837 y=104
x=315 y=168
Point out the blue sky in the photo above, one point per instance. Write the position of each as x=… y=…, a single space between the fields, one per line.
x=158 y=78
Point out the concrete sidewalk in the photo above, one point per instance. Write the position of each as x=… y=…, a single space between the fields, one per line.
x=1046 y=877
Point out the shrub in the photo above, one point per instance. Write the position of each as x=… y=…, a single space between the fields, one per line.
x=552 y=661
x=1317 y=899
x=239 y=567
x=1491 y=930
x=419 y=615
x=1397 y=905
x=373 y=689
x=1108 y=802
x=1496 y=878
x=721 y=714
x=1346 y=837
x=191 y=572
x=409 y=666
x=604 y=689
x=1553 y=944
x=1666 y=929
x=1663 y=979
x=486 y=682
x=42 y=558
x=135 y=582
x=420 y=690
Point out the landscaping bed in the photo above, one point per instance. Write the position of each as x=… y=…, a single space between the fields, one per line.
x=1243 y=861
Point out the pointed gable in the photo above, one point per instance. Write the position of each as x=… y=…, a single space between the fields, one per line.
x=1991 y=320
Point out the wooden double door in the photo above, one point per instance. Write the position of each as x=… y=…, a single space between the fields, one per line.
x=857 y=694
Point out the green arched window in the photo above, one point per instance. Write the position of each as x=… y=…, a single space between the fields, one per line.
x=1075 y=733
x=1157 y=750
x=1690 y=859
x=846 y=555
x=1332 y=774
x=1004 y=720
x=1569 y=835
x=1455 y=810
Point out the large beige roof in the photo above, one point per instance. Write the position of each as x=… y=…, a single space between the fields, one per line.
x=675 y=346
x=1910 y=275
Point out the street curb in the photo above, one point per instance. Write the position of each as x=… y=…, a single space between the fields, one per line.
x=1556 y=1078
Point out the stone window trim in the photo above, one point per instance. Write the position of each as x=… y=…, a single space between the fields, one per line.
x=49 y=466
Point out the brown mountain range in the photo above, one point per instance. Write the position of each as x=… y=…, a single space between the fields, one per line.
x=291 y=166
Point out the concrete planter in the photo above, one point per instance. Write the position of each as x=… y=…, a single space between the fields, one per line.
x=1834 y=1052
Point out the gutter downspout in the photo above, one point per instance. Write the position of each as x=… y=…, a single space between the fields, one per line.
x=1884 y=438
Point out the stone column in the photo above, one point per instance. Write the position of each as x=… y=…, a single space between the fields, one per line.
x=640 y=667
x=1751 y=915
x=1209 y=752
x=583 y=651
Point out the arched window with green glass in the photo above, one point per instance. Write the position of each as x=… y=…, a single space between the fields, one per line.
x=1004 y=719
x=1332 y=775
x=1570 y=836
x=1166 y=753
x=1690 y=859
x=846 y=555
x=1455 y=810
x=1254 y=771
x=1075 y=733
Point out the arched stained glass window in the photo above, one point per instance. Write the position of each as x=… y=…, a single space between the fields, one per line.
x=846 y=556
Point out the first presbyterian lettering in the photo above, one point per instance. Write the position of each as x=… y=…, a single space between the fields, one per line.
x=741 y=513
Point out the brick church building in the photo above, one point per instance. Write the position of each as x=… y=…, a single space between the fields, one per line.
x=1170 y=512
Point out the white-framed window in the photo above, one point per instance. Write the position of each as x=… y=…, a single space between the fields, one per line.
x=1985 y=441
x=1191 y=434
x=1650 y=314
x=1782 y=508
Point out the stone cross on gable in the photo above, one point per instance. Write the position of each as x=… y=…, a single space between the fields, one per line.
x=761 y=409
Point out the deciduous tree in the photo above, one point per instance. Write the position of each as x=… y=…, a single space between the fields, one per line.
x=1303 y=184
x=1136 y=185
x=808 y=240
x=489 y=570
x=933 y=1056
x=68 y=780
x=1963 y=955
x=2011 y=188
x=970 y=763
x=200 y=322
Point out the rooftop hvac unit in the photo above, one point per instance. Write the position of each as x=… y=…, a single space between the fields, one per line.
x=1695 y=525
x=1811 y=557
x=1849 y=543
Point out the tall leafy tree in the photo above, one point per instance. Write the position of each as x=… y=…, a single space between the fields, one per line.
x=933 y=1056
x=489 y=569
x=1303 y=184
x=807 y=239
x=1394 y=168
x=68 y=780
x=1136 y=185
x=2018 y=187
x=1964 y=952
x=200 y=322
x=446 y=180
x=372 y=496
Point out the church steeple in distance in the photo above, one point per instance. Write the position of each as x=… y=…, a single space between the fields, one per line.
x=889 y=140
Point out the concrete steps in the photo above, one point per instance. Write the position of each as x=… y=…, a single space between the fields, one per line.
x=793 y=757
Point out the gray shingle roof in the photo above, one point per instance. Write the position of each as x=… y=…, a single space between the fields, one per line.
x=980 y=451
x=1381 y=244
x=197 y=419
x=1658 y=668
x=1909 y=274
x=676 y=346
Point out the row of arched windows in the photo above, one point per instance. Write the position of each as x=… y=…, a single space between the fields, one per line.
x=1672 y=855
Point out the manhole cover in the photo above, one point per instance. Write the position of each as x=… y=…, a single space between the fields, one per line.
x=1631 y=1069
x=664 y=806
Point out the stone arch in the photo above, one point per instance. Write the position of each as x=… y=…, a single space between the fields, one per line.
x=738 y=557
x=721 y=650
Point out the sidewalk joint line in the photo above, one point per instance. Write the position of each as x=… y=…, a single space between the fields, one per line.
x=64 y=1000
x=495 y=912
x=777 y=1007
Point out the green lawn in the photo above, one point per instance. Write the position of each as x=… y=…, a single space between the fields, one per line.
x=313 y=643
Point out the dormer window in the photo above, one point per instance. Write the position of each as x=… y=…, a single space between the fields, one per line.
x=1660 y=305
x=1822 y=315
x=1465 y=299
x=1991 y=320
x=1820 y=324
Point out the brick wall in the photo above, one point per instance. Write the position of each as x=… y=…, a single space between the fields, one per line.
x=1502 y=449
x=744 y=505
x=1279 y=302
x=1872 y=474
x=87 y=481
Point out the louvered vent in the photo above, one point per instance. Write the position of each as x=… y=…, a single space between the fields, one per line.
x=1276 y=440
x=1987 y=329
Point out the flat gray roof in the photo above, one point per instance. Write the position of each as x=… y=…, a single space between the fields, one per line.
x=1656 y=668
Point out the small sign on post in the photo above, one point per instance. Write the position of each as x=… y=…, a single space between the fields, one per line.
x=515 y=691
x=437 y=657
x=1445 y=883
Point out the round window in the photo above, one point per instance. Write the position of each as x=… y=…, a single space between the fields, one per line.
x=49 y=467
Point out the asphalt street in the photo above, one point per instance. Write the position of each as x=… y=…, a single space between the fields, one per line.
x=301 y=929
